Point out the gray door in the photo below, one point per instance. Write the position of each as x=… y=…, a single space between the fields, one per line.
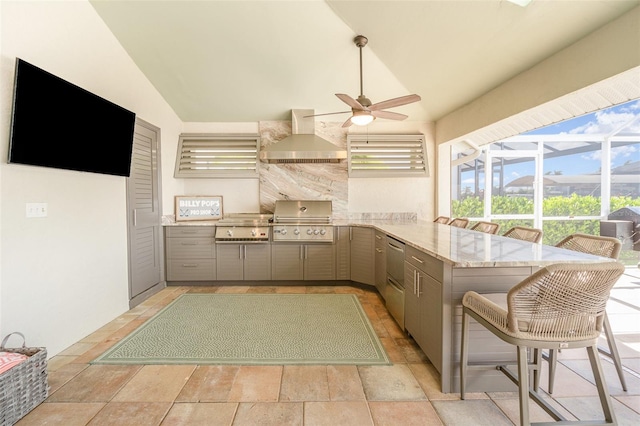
x=143 y=206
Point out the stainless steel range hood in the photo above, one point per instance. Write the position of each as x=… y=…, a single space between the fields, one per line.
x=303 y=146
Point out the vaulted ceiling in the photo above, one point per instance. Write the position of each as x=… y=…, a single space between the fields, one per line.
x=242 y=61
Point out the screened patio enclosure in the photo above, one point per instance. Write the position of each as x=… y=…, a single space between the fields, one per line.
x=563 y=178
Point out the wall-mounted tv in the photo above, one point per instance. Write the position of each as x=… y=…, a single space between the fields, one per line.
x=58 y=124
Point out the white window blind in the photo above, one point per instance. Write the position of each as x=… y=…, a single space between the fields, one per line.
x=212 y=155
x=387 y=155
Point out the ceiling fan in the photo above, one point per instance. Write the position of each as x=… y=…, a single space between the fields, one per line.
x=363 y=111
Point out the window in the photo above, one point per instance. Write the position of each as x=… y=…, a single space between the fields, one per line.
x=387 y=155
x=217 y=156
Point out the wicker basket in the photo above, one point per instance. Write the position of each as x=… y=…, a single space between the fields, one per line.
x=23 y=387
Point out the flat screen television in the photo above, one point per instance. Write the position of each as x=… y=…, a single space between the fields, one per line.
x=57 y=124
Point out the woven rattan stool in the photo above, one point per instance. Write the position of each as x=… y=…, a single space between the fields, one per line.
x=524 y=233
x=599 y=246
x=486 y=227
x=560 y=306
x=459 y=222
x=442 y=219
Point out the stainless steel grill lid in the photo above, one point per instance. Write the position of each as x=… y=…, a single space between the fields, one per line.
x=303 y=211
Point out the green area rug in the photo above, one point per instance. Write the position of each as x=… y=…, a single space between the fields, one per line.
x=253 y=329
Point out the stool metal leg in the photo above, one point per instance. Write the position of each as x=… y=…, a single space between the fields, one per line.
x=523 y=385
x=613 y=351
x=603 y=392
x=553 y=360
x=464 y=352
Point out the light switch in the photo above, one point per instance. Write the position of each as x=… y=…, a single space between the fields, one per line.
x=36 y=209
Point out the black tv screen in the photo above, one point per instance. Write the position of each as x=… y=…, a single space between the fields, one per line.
x=58 y=124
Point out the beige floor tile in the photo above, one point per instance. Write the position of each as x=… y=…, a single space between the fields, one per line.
x=62 y=375
x=291 y=289
x=256 y=384
x=269 y=414
x=477 y=412
x=511 y=408
x=96 y=383
x=390 y=383
x=233 y=289
x=337 y=413
x=394 y=352
x=344 y=383
x=61 y=414
x=131 y=414
x=304 y=383
x=155 y=383
x=411 y=350
x=209 y=383
x=77 y=349
x=210 y=414
x=631 y=401
x=409 y=413
x=59 y=361
x=429 y=380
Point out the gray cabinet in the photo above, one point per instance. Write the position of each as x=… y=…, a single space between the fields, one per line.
x=423 y=303
x=303 y=261
x=380 y=259
x=343 y=253
x=362 y=255
x=243 y=261
x=190 y=253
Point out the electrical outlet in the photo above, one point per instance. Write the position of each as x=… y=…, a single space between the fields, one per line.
x=36 y=209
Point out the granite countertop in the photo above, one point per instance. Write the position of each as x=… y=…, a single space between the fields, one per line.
x=456 y=246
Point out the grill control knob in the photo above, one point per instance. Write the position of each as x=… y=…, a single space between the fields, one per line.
x=229 y=233
x=309 y=231
x=283 y=231
x=296 y=231
x=316 y=232
x=323 y=232
x=253 y=233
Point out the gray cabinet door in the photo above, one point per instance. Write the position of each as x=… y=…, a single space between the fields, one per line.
x=287 y=262
x=229 y=262
x=257 y=261
x=343 y=253
x=362 y=255
x=319 y=262
x=380 y=258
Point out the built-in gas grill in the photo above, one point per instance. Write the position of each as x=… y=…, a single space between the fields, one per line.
x=303 y=221
x=243 y=227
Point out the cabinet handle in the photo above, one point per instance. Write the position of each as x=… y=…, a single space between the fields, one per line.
x=245 y=252
x=350 y=234
x=378 y=237
x=414 y=281
x=189 y=265
x=239 y=252
x=189 y=243
x=396 y=248
x=417 y=260
x=379 y=250
x=418 y=281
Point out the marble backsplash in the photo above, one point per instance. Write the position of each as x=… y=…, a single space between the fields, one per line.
x=303 y=181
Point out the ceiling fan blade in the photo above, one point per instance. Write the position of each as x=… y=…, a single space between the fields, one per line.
x=390 y=103
x=347 y=123
x=388 y=115
x=350 y=101
x=327 y=113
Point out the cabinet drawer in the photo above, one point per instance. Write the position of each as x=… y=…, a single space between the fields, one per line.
x=191 y=270
x=191 y=248
x=190 y=231
x=428 y=264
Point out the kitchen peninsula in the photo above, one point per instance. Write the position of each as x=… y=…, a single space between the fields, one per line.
x=441 y=264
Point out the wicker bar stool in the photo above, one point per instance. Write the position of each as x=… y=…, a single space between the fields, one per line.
x=560 y=306
x=524 y=233
x=459 y=222
x=486 y=227
x=442 y=219
x=599 y=246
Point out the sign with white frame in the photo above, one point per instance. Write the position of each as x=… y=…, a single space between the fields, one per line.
x=198 y=207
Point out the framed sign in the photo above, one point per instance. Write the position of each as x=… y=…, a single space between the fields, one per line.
x=198 y=207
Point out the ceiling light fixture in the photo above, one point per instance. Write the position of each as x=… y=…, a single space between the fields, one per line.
x=362 y=118
x=523 y=3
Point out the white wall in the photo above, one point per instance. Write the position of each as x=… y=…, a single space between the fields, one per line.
x=65 y=275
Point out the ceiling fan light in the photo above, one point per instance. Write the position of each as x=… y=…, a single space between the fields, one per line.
x=362 y=118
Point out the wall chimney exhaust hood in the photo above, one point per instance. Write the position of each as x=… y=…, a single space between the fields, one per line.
x=303 y=146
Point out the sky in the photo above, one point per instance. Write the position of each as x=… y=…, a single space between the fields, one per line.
x=603 y=122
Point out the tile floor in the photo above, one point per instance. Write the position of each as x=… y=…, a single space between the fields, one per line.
x=404 y=393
